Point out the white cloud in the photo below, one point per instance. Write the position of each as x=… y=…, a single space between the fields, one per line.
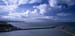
x=29 y=19
x=43 y=8
x=23 y=1
x=54 y=3
x=39 y=19
x=13 y=4
x=63 y=14
x=35 y=1
x=8 y=8
x=32 y=15
x=37 y=11
x=37 y=14
x=3 y=8
x=19 y=2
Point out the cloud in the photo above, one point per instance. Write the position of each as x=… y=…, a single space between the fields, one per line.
x=63 y=14
x=28 y=1
x=54 y=3
x=3 y=8
x=37 y=11
x=35 y=1
x=23 y=1
x=43 y=8
x=12 y=5
x=29 y=19
x=19 y=2
x=37 y=14
x=70 y=2
x=39 y=19
x=8 y=8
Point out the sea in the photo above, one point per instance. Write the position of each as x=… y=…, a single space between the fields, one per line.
x=41 y=32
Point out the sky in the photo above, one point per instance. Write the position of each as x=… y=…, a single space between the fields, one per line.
x=37 y=10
